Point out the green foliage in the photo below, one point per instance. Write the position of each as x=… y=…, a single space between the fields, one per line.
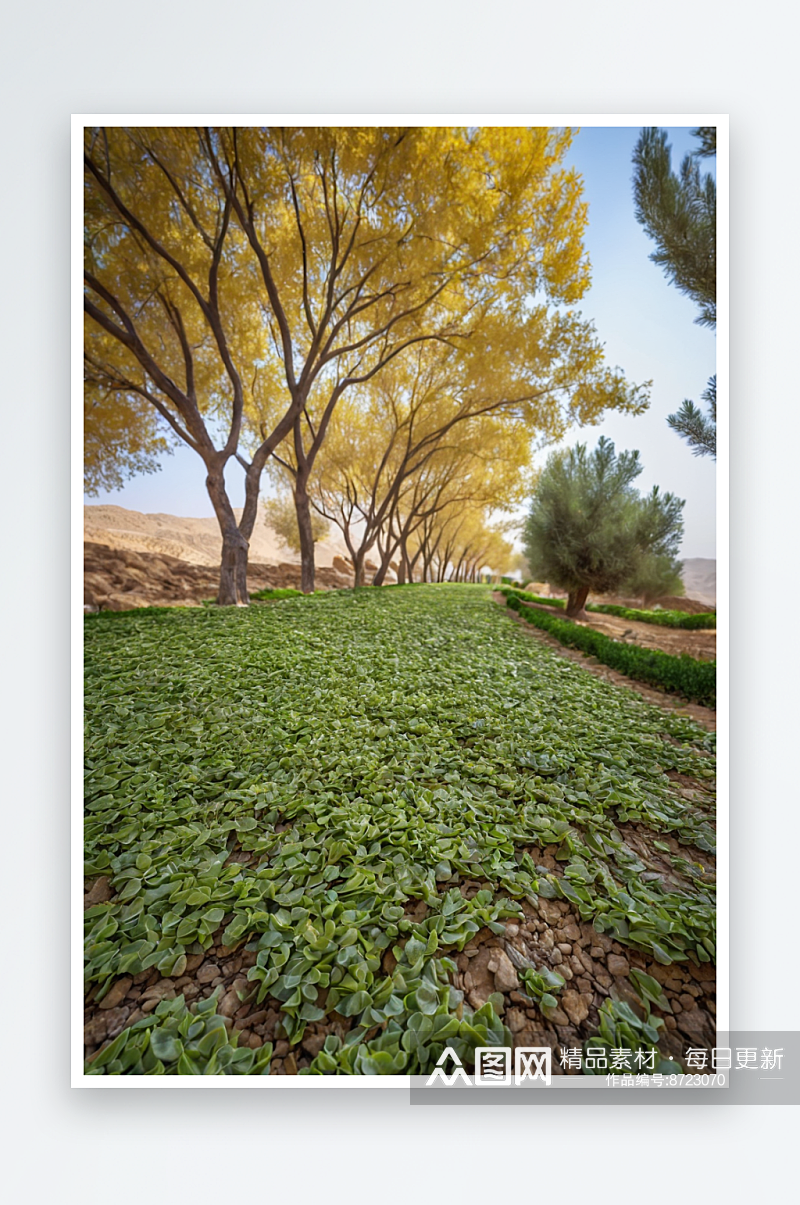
x=361 y=784
x=273 y=593
x=588 y=527
x=656 y=574
x=679 y=212
x=664 y=619
x=281 y=516
x=699 y=431
x=542 y=986
x=695 y=680
x=177 y=1039
x=627 y=1039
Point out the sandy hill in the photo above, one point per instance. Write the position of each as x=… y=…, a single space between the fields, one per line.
x=196 y=541
x=700 y=579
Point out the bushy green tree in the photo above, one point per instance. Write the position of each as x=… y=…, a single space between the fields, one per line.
x=281 y=516
x=679 y=212
x=589 y=529
x=657 y=574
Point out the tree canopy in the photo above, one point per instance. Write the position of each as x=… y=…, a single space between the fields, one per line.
x=679 y=212
x=239 y=283
x=589 y=529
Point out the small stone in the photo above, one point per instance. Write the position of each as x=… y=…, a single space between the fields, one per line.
x=99 y=894
x=686 y=1000
x=549 y=910
x=556 y=957
x=516 y=1020
x=566 y=971
x=229 y=1005
x=116 y=994
x=312 y=1043
x=477 y=999
x=547 y=941
x=149 y=1005
x=512 y=930
x=618 y=965
x=255 y=1042
x=281 y=1049
x=597 y=952
x=559 y=1017
x=95 y=1031
x=575 y=1006
x=207 y=973
x=585 y=961
x=117 y=1019
x=505 y=976
x=570 y=932
x=290 y=1064
x=164 y=990
x=692 y=1023
x=564 y=947
x=193 y=961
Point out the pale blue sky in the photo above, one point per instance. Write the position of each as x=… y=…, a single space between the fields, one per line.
x=647 y=327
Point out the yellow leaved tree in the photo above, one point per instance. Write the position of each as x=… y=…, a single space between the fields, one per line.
x=241 y=281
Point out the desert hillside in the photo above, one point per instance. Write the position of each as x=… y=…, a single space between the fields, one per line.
x=196 y=541
x=700 y=579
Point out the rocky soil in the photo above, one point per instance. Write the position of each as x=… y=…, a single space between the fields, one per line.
x=705 y=716
x=700 y=644
x=551 y=934
x=119 y=579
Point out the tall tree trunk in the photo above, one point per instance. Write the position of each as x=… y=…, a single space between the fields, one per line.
x=233 y=565
x=383 y=569
x=303 y=510
x=358 y=566
x=576 y=602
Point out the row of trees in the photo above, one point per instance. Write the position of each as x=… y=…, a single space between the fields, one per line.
x=380 y=316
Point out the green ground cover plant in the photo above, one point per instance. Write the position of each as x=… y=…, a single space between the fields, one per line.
x=693 y=680
x=664 y=619
x=381 y=749
x=272 y=593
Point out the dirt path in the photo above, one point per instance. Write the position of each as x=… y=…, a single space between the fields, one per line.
x=705 y=716
x=700 y=644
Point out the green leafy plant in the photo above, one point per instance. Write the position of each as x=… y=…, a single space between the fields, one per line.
x=543 y=985
x=664 y=619
x=364 y=796
x=177 y=1039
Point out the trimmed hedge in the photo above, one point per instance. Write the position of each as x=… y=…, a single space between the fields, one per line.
x=695 y=680
x=663 y=619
